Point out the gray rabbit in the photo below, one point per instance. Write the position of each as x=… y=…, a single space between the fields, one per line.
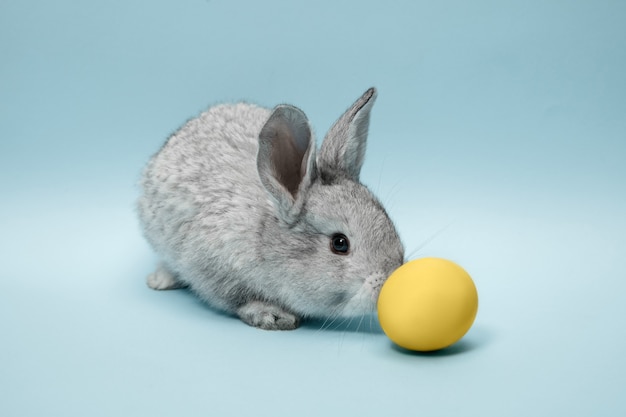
x=243 y=210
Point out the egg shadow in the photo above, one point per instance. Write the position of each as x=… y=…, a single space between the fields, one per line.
x=476 y=339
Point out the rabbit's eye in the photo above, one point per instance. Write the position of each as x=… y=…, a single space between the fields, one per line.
x=339 y=244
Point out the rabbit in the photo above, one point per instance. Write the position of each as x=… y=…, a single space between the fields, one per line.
x=243 y=210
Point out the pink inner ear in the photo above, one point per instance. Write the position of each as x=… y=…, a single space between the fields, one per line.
x=284 y=143
x=288 y=159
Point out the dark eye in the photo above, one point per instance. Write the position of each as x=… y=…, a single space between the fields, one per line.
x=339 y=244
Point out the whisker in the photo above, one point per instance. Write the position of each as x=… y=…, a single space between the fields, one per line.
x=345 y=330
x=371 y=323
x=347 y=326
x=358 y=326
x=389 y=200
x=326 y=320
x=414 y=252
x=330 y=319
x=380 y=174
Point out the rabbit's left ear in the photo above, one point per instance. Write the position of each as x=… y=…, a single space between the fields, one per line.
x=286 y=158
x=343 y=149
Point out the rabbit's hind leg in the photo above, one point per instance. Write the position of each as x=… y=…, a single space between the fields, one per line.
x=163 y=279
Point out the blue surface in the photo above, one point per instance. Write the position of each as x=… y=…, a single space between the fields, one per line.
x=498 y=141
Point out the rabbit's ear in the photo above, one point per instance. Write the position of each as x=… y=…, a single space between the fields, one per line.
x=343 y=149
x=286 y=158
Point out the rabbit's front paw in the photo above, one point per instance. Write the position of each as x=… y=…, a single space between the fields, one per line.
x=267 y=316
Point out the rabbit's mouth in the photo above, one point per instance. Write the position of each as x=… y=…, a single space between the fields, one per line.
x=364 y=300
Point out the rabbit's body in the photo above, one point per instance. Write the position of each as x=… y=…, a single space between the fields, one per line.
x=243 y=212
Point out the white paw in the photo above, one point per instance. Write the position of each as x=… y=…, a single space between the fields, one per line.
x=267 y=316
x=162 y=279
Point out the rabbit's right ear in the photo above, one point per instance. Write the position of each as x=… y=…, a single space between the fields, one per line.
x=343 y=149
x=286 y=159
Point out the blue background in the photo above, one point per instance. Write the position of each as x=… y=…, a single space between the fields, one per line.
x=498 y=141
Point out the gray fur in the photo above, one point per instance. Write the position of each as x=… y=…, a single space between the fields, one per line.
x=242 y=210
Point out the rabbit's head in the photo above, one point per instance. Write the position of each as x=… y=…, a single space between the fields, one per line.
x=330 y=242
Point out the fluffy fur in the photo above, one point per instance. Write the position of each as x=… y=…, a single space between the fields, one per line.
x=242 y=209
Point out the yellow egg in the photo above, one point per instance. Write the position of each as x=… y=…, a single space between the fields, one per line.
x=427 y=304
